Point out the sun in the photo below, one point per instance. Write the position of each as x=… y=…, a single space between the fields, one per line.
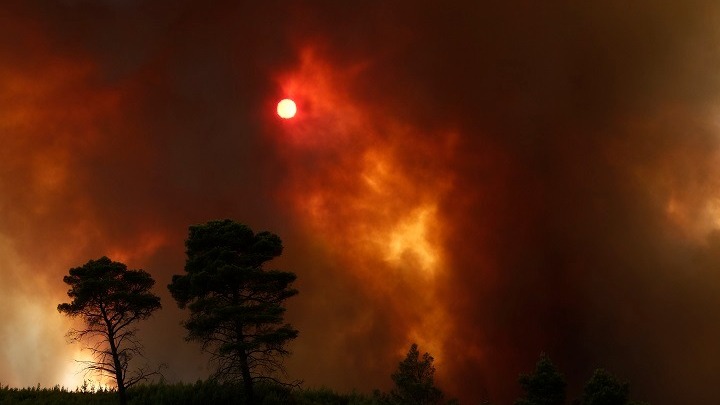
x=286 y=108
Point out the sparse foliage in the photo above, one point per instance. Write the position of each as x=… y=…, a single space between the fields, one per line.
x=546 y=386
x=110 y=300
x=236 y=306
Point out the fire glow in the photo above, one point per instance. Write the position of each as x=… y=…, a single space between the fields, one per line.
x=381 y=210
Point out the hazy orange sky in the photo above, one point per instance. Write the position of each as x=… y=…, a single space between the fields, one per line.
x=490 y=180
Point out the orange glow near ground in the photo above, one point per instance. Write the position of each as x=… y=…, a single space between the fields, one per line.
x=43 y=142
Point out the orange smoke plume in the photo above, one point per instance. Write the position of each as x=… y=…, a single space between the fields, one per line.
x=373 y=188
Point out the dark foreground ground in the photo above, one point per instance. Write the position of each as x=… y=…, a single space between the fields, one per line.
x=201 y=392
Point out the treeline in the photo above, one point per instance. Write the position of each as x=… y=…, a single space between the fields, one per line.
x=547 y=386
x=199 y=393
x=413 y=385
x=236 y=312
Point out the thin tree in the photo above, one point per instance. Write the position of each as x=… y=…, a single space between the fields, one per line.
x=110 y=300
x=236 y=306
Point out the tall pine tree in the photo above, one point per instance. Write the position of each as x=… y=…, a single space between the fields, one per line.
x=236 y=306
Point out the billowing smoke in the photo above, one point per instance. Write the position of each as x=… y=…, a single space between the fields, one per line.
x=489 y=180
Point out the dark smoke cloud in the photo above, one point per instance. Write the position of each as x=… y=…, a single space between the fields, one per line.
x=565 y=151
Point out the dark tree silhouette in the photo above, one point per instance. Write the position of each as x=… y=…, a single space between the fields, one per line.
x=546 y=386
x=110 y=299
x=236 y=306
x=604 y=388
x=415 y=380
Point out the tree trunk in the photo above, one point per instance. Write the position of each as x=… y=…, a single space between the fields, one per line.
x=245 y=367
x=116 y=360
x=243 y=357
x=247 y=378
x=122 y=395
x=118 y=373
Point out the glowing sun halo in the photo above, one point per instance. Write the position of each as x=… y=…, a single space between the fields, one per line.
x=286 y=108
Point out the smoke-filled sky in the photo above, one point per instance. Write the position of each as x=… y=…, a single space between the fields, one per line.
x=488 y=179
